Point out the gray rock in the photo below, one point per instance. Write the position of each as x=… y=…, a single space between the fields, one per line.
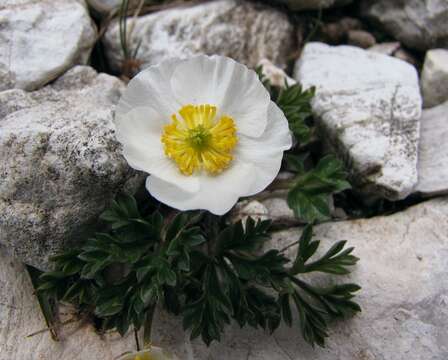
x=434 y=79
x=404 y=301
x=433 y=152
x=40 y=40
x=387 y=48
x=394 y=49
x=314 y=4
x=405 y=55
x=368 y=107
x=404 y=297
x=274 y=206
x=248 y=208
x=20 y=316
x=419 y=24
x=104 y=6
x=275 y=75
x=360 y=38
x=244 y=31
x=60 y=162
x=336 y=32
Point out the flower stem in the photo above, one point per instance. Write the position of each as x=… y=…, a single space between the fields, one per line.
x=281 y=184
x=148 y=327
x=289 y=246
x=137 y=342
x=44 y=303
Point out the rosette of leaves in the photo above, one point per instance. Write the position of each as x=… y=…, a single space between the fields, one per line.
x=202 y=269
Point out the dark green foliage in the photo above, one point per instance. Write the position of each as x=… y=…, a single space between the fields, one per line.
x=309 y=195
x=296 y=105
x=208 y=272
x=145 y=254
x=257 y=288
x=315 y=305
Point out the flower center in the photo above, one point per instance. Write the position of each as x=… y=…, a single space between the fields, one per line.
x=199 y=141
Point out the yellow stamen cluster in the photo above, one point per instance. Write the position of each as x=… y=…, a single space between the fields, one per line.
x=199 y=141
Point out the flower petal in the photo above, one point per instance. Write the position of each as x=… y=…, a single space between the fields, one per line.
x=232 y=87
x=217 y=194
x=266 y=152
x=151 y=88
x=139 y=131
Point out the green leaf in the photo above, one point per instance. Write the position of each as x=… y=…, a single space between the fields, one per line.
x=334 y=261
x=121 y=211
x=286 y=309
x=305 y=250
x=296 y=163
x=258 y=268
x=44 y=299
x=109 y=307
x=312 y=321
x=309 y=197
x=207 y=314
x=236 y=237
x=296 y=105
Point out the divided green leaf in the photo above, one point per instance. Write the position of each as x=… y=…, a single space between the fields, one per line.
x=309 y=196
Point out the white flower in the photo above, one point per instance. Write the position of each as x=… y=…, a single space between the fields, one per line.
x=205 y=130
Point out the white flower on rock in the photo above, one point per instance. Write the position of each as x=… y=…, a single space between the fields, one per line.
x=205 y=130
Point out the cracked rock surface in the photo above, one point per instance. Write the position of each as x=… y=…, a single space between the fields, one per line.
x=40 y=40
x=434 y=78
x=60 y=162
x=404 y=296
x=433 y=152
x=20 y=316
x=368 y=108
x=244 y=31
x=313 y=4
x=404 y=301
x=419 y=24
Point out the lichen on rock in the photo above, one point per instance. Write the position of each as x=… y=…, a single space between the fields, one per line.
x=61 y=162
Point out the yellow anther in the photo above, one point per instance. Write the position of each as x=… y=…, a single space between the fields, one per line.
x=200 y=141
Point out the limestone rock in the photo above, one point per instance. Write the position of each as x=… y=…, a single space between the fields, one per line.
x=435 y=77
x=275 y=75
x=360 y=38
x=394 y=49
x=104 y=6
x=20 y=316
x=433 y=152
x=405 y=55
x=60 y=162
x=244 y=31
x=368 y=107
x=404 y=301
x=314 y=4
x=40 y=40
x=387 y=48
x=419 y=24
x=244 y=209
x=403 y=297
x=274 y=208
x=336 y=32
